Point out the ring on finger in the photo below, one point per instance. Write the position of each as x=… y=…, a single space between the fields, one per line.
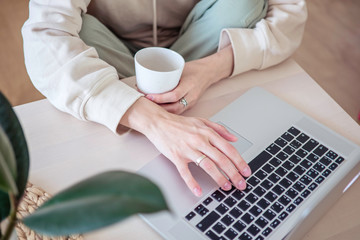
x=183 y=101
x=199 y=159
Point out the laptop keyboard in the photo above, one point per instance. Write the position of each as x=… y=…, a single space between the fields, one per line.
x=284 y=174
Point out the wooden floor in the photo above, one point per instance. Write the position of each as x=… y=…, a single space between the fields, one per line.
x=330 y=51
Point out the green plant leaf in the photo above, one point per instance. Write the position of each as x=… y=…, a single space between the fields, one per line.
x=12 y=128
x=96 y=202
x=7 y=165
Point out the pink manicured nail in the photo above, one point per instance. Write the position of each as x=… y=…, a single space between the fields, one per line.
x=227 y=186
x=150 y=97
x=246 y=172
x=197 y=191
x=241 y=185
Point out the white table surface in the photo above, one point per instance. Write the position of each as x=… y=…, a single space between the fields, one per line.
x=64 y=150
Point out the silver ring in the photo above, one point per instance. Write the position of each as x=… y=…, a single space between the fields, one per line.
x=183 y=101
x=199 y=159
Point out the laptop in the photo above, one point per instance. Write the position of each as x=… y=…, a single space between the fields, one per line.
x=299 y=169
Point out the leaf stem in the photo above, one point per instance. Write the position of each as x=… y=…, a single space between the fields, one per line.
x=12 y=218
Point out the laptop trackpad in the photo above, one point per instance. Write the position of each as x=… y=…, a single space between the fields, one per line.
x=242 y=144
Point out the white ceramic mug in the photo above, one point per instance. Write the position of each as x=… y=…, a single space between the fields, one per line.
x=158 y=69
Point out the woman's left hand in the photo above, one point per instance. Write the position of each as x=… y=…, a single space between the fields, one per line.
x=197 y=76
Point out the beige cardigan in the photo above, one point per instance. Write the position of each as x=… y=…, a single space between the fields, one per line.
x=73 y=78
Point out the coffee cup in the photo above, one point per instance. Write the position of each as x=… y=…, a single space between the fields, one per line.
x=157 y=69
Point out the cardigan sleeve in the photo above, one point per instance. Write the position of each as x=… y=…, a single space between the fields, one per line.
x=272 y=40
x=67 y=71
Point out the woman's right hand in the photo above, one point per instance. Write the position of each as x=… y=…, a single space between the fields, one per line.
x=184 y=139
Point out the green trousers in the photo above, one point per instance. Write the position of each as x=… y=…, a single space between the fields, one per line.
x=199 y=35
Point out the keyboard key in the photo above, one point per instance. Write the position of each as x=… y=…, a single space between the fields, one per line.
x=310 y=145
x=207 y=201
x=278 y=189
x=273 y=178
x=281 y=142
x=253 y=181
x=287 y=136
x=269 y=215
x=259 y=238
x=333 y=166
x=305 y=193
x=227 y=220
x=320 y=150
x=282 y=156
x=291 y=193
x=301 y=153
x=283 y=215
x=332 y=155
x=290 y=208
x=261 y=222
x=326 y=173
x=247 y=218
x=275 y=223
x=235 y=212
x=255 y=211
x=306 y=164
x=245 y=236
x=295 y=144
x=201 y=210
x=222 y=208
x=266 y=232
x=285 y=183
x=273 y=149
x=298 y=186
x=294 y=131
x=277 y=207
x=299 y=170
x=319 y=167
x=339 y=160
x=259 y=191
x=230 y=233
x=288 y=165
x=263 y=203
x=237 y=194
x=266 y=184
x=295 y=159
x=289 y=150
x=302 y=138
x=190 y=216
x=292 y=176
x=326 y=161
x=248 y=188
x=259 y=161
x=312 y=173
x=253 y=230
x=284 y=200
x=271 y=196
x=217 y=195
x=218 y=227
x=298 y=200
x=268 y=168
x=211 y=235
x=281 y=171
x=239 y=226
x=275 y=162
x=320 y=179
x=305 y=180
x=252 y=198
x=230 y=201
x=208 y=221
x=312 y=186
x=243 y=205
x=261 y=174
x=313 y=158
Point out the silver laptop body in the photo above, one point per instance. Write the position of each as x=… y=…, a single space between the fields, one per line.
x=269 y=209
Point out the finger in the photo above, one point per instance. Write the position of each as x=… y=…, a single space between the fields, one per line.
x=189 y=180
x=210 y=168
x=227 y=167
x=168 y=97
x=221 y=130
x=232 y=154
x=176 y=108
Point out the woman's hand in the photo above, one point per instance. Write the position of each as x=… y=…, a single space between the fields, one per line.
x=185 y=139
x=197 y=76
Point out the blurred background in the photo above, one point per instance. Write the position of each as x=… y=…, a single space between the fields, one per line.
x=329 y=53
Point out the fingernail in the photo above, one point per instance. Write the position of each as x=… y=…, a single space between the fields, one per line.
x=197 y=191
x=227 y=186
x=246 y=172
x=150 y=97
x=241 y=185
